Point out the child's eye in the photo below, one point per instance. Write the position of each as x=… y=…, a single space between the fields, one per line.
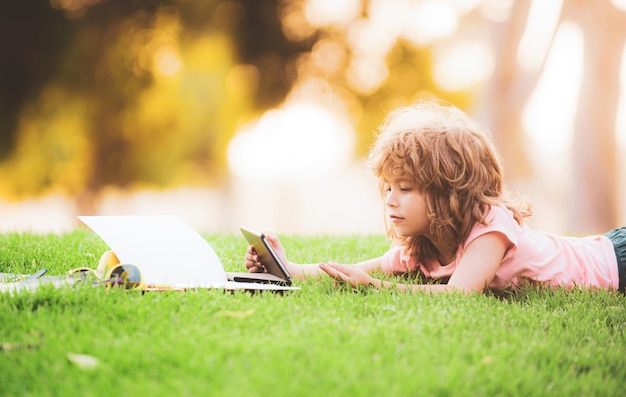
x=405 y=188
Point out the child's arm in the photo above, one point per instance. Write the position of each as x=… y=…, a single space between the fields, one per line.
x=299 y=271
x=474 y=272
x=302 y=271
x=479 y=263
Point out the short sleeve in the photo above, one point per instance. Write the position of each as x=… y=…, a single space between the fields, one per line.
x=397 y=261
x=500 y=220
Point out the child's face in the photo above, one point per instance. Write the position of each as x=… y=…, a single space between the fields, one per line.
x=405 y=205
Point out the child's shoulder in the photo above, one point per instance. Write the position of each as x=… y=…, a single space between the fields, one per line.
x=500 y=213
x=498 y=219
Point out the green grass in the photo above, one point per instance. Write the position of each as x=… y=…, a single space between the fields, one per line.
x=319 y=341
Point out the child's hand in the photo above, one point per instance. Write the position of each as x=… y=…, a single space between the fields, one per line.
x=352 y=275
x=253 y=261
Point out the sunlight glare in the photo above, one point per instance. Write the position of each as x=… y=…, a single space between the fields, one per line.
x=166 y=61
x=547 y=117
x=370 y=37
x=329 y=55
x=331 y=12
x=365 y=74
x=291 y=142
x=619 y=4
x=497 y=11
x=458 y=66
x=430 y=20
x=388 y=16
x=543 y=17
x=294 y=22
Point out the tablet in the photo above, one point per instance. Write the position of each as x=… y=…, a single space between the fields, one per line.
x=270 y=260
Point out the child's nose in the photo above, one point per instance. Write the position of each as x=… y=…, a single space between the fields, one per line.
x=390 y=199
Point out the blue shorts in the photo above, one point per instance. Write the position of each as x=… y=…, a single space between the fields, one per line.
x=618 y=238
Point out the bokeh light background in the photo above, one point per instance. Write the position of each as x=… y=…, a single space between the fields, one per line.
x=196 y=143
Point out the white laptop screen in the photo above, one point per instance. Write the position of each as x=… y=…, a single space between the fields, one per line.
x=168 y=252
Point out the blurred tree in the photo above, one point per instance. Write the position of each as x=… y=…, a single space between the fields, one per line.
x=593 y=206
x=363 y=58
x=143 y=92
x=594 y=196
x=261 y=42
x=508 y=90
x=151 y=91
x=32 y=37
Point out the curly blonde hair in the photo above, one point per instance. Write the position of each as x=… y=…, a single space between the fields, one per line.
x=453 y=162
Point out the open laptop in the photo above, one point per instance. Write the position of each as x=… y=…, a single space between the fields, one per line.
x=169 y=253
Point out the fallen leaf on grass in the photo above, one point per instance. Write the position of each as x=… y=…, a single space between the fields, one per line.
x=235 y=314
x=83 y=361
x=10 y=346
x=6 y=346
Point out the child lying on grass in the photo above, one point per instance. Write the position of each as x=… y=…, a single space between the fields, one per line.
x=451 y=221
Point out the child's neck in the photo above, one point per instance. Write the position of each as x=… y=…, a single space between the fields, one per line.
x=443 y=256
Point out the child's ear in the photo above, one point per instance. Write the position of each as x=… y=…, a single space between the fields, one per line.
x=107 y=260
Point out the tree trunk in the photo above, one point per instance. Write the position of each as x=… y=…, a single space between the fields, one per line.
x=507 y=94
x=594 y=204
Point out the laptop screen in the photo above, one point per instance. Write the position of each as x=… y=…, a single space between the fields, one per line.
x=168 y=252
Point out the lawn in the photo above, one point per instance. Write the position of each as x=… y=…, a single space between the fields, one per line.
x=319 y=341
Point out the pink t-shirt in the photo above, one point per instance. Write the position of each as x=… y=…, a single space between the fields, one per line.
x=532 y=256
